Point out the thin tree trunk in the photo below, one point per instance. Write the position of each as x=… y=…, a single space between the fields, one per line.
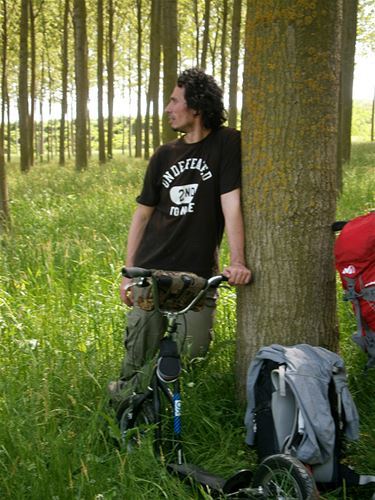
x=170 y=44
x=130 y=130
x=81 y=77
x=153 y=86
x=9 y=128
x=372 y=118
x=224 y=45
x=347 y=69
x=64 y=83
x=23 y=89
x=40 y=148
x=196 y=22
x=138 y=126
x=89 y=151
x=32 y=82
x=111 y=78
x=4 y=201
x=213 y=46
x=233 y=76
x=100 y=70
x=206 y=33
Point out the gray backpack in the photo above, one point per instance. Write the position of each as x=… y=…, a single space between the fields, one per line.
x=299 y=404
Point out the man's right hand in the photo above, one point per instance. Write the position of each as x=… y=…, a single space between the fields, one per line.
x=126 y=292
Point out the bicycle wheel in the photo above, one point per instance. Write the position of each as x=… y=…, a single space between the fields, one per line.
x=135 y=422
x=283 y=477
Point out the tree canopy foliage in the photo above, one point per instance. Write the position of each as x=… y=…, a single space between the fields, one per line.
x=119 y=46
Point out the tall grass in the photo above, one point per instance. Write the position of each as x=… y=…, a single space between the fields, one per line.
x=61 y=341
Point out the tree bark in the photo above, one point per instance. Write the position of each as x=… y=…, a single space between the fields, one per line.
x=4 y=200
x=138 y=123
x=206 y=33
x=32 y=81
x=23 y=89
x=289 y=134
x=111 y=78
x=64 y=82
x=349 y=32
x=154 y=79
x=234 y=51
x=372 y=118
x=170 y=43
x=224 y=45
x=196 y=22
x=100 y=70
x=81 y=78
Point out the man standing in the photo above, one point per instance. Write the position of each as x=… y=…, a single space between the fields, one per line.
x=191 y=191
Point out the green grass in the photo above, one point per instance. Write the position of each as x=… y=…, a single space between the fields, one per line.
x=61 y=332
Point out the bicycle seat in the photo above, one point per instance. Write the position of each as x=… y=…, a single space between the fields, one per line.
x=169 y=364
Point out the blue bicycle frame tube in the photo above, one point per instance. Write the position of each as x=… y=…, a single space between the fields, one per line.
x=177 y=414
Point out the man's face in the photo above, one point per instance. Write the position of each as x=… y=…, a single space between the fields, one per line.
x=181 y=117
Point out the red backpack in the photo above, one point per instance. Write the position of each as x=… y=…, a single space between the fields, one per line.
x=355 y=261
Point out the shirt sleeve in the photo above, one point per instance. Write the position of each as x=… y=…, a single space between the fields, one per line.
x=230 y=169
x=150 y=193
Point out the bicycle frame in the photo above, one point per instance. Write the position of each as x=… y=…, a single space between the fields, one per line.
x=171 y=389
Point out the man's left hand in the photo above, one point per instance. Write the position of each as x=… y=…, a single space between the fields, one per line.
x=237 y=274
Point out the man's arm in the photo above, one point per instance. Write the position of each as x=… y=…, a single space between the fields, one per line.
x=138 y=225
x=237 y=272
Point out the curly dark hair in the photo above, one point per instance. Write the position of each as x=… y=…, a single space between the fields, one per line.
x=203 y=94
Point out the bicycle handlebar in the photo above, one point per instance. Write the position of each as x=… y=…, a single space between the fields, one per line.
x=136 y=272
x=140 y=272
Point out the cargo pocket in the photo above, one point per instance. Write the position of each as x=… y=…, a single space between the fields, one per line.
x=134 y=345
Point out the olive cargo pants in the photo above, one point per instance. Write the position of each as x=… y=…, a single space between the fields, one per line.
x=145 y=329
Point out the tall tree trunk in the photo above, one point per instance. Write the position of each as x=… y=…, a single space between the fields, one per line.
x=100 y=70
x=234 y=51
x=111 y=78
x=64 y=83
x=4 y=201
x=23 y=88
x=138 y=125
x=153 y=86
x=196 y=22
x=206 y=33
x=81 y=78
x=39 y=145
x=9 y=126
x=372 y=118
x=213 y=45
x=170 y=44
x=130 y=130
x=349 y=32
x=224 y=45
x=72 y=127
x=32 y=81
x=89 y=150
x=40 y=148
x=289 y=137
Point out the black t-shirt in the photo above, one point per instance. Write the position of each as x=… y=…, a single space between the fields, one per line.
x=184 y=183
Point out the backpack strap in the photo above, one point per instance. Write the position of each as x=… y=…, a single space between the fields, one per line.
x=353 y=296
x=337 y=380
x=364 y=337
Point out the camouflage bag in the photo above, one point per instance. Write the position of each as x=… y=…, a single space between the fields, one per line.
x=176 y=290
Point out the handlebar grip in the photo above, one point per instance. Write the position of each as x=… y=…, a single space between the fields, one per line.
x=215 y=281
x=135 y=272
